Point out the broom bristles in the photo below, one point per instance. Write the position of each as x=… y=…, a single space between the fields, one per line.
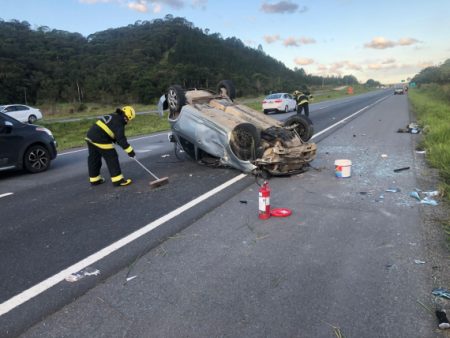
x=159 y=182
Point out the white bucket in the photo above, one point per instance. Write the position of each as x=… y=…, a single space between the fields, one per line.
x=343 y=168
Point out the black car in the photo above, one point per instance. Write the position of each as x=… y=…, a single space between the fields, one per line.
x=25 y=146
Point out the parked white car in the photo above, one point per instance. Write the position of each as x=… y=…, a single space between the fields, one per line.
x=22 y=112
x=279 y=102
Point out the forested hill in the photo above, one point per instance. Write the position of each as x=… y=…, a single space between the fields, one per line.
x=131 y=64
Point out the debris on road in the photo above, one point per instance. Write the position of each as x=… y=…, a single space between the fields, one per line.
x=424 y=197
x=75 y=277
x=442 y=319
x=441 y=292
x=412 y=128
x=401 y=169
x=418 y=261
x=393 y=190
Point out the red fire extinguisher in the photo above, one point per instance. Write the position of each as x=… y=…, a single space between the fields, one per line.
x=264 y=201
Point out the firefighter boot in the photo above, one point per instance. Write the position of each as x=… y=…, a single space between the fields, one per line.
x=123 y=182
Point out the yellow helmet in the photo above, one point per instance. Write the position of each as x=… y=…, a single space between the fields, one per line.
x=129 y=112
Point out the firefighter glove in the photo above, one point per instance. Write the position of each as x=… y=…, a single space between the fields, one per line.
x=132 y=153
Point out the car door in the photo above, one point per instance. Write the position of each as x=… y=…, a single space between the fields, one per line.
x=22 y=113
x=10 y=142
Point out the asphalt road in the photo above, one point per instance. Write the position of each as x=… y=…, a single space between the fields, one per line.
x=54 y=220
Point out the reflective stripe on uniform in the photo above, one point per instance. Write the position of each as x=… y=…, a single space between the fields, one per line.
x=100 y=145
x=106 y=129
x=129 y=149
x=117 y=178
x=95 y=179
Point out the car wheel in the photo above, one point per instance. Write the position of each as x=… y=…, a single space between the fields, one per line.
x=266 y=111
x=36 y=159
x=226 y=87
x=302 y=125
x=32 y=119
x=245 y=141
x=176 y=98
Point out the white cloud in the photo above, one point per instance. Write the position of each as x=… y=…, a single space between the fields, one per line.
x=139 y=6
x=271 y=38
x=303 y=61
x=280 y=7
x=290 y=42
x=380 y=42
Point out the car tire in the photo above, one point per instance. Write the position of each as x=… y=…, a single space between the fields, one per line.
x=176 y=98
x=36 y=159
x=303 y=126
x=265 y=111
x=245 y=142
x=226 y=87
x=32 y=119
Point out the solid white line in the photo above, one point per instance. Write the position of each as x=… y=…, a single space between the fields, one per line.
x=6 y=194
x=347 y=118
x=55 y=279
x=131 y=140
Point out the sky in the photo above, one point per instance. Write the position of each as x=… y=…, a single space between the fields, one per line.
x=384 y=40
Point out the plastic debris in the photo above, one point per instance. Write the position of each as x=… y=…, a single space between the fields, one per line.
x=384 y=156
x=401 y=169
x=429 y=201
x=393 y=190
x=165 y=155
x=418 y=261
x=75 y=277
x=424 y=197
x=441 y=292
x=131 y=278
x=442 y=319
x=412 y=128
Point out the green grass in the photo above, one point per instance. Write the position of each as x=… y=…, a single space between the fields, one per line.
x=71 y=134
x=431 y=105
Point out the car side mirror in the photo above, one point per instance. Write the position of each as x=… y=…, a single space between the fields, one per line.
x=5 y=127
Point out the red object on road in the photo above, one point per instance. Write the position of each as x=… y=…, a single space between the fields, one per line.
x=264 y=201
x=281 y=212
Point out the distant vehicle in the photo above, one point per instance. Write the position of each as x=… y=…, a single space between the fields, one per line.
x=211 y=128
x=279 y=102
x=399 y=91
x=22 y=112
x=25 y=146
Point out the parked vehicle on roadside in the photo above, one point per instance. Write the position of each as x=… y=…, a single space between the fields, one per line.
x=25 y=146
x=210 y=127
x=22 y=112
x=279 y=102
x=399 y=91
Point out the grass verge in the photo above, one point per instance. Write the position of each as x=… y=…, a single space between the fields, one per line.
x=432 y=108
x=71 y=134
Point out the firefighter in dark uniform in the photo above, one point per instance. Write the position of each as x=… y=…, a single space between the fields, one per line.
x=109 y=129
x=302 y=98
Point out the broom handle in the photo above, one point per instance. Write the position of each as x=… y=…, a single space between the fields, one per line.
x=145 y=168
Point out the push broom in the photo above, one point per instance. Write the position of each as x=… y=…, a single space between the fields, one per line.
x=158 y=181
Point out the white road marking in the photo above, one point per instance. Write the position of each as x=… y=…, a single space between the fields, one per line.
x=6 y=194
x=347 y=118
x=37 y=289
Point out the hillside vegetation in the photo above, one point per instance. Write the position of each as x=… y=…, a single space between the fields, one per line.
x=135 y=64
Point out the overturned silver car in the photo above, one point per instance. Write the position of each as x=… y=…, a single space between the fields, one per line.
x=208 y=125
